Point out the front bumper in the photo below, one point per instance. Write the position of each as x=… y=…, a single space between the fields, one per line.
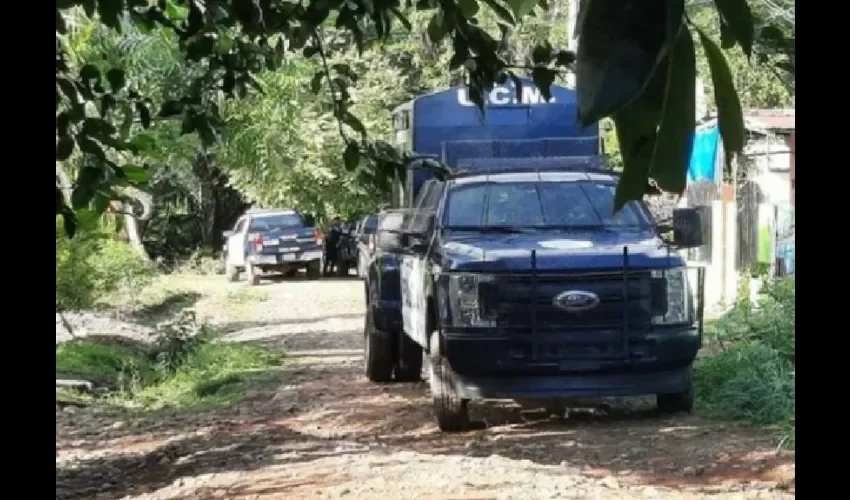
x=285 y=258
x=574 y=386
x=490 y=366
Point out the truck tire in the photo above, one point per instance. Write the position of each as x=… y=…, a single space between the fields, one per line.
x=677 y=402
x=232 y=273
x=377 y=352
x=342 y=269
x=314 y=269
x=252 y=274
x=409 y=362
x=451 y=411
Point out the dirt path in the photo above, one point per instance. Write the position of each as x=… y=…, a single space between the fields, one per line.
x=325 y=432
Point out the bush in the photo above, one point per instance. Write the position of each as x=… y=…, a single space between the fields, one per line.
x=94 y=264
x=184 y=366
x=752 y=376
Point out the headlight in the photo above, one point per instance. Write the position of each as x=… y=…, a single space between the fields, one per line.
x=679 y=300
x=465 y=300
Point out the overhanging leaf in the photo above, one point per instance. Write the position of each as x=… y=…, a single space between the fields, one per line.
x=522 y=8
x=738 y=17
x=730 y=118
x=351 y=156
x=673 y=144
x=64 y=147
x=621 y=44
x=316 y=82
x=468 y=8
x=637 y=132
x=136 y=175
x=501 y=11
x=436 y=28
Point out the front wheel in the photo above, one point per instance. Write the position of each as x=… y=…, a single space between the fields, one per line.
x=253 y=274
x=451 y=410
x=232 y=273
x=409 y=368
x=678 y=402
x=342 y=269
x=378 y=353
x=314 y=269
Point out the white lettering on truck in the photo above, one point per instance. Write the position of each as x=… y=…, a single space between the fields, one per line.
x=501 y=96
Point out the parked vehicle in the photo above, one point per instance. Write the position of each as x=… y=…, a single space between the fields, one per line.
x=265 y=241
x=513 y=277
x=365 y=235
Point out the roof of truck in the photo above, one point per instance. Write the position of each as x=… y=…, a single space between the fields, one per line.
x=538 y=176
x=270 y=211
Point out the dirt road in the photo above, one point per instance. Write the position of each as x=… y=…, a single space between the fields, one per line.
x=323 y=431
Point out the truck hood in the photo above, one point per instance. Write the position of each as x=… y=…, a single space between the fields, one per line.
x=556 y=250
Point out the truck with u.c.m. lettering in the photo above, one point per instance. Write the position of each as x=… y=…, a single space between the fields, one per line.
x=513 y=277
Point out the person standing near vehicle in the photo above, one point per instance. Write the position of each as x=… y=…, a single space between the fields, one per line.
x=332 y=238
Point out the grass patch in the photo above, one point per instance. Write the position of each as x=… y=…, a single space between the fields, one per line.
x=186 y=367
x=247 y=295
x=102 y=361
x=749 y=376
x=216 y=373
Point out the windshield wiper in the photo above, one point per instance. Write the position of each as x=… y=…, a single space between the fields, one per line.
x=493 y=229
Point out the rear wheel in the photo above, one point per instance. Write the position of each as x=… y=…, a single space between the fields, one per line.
x=451 y=410
x=314 y=269
x=377 y=355
x=678 y=402
x=252 y=272
x=342 y=269
x=409 y=368
x=232 y=273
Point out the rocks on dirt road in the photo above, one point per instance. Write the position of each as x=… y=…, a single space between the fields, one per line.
x=323 y=431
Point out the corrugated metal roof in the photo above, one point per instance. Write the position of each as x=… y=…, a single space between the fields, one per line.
x=773 y=119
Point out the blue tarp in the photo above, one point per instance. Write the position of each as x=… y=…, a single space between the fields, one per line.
x=704 y=155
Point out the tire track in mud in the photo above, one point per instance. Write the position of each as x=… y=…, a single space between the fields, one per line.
x=325 y=432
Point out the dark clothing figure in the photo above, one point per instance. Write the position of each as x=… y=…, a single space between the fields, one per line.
x=332 y=247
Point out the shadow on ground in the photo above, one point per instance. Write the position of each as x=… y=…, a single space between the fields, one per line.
x=323 y=410
x=236 y=326
x=166 y=308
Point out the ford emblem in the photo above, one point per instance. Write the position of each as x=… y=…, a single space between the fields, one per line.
x=576 y=300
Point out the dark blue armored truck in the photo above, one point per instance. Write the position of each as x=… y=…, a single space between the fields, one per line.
x=513 y=278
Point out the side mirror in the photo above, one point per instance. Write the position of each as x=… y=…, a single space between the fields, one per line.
x=414 y=242
x=691 y=226
x=228 y=233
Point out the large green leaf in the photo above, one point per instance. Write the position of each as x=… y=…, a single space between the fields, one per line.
x=622 y=42
x=672 y=151
x=736 y=20
x=729 y=115
x=522 y=8
x=637 y=132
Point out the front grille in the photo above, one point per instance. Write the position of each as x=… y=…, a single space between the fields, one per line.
x=523 y=308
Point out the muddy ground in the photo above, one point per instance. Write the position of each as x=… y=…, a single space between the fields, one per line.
x=320 y=430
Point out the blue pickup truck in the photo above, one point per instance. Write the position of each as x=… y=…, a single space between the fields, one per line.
x=272 y=240
x=514 y=279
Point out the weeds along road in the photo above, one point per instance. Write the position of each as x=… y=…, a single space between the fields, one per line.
x=318 y=429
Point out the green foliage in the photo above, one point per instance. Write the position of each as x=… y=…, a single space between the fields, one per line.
x=752 y=377
x=93 y=265
x=102 y=361
x=748 y=382
x=100 y=109
x=178 y=339
x=185 y=366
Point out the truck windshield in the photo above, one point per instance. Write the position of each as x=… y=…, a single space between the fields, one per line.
x=370 y=225
x=582 y=204
x=275 y=221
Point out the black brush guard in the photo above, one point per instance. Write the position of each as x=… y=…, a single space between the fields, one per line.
x=612 y=333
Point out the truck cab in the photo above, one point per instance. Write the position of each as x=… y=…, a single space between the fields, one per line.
x=513 y=278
